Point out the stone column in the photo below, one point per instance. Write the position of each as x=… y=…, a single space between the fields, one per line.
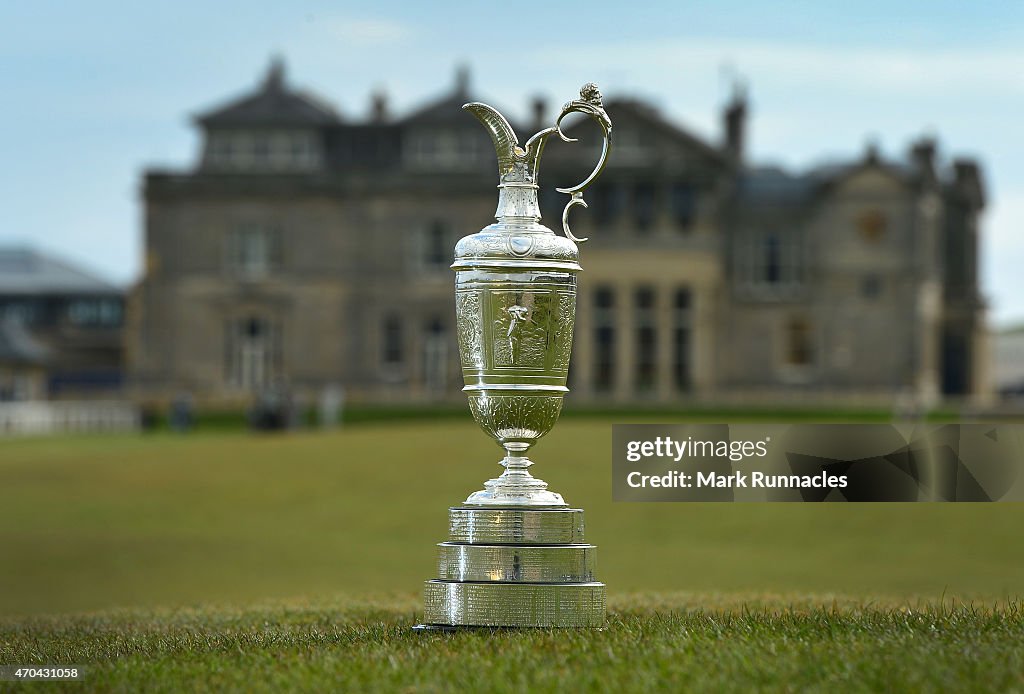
x=582 y=363
x=702 y=340
x=664 y=319
x=625 y=339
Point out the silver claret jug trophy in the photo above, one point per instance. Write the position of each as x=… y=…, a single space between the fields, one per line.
x=515 y=555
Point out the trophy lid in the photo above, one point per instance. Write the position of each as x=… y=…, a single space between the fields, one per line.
x=516 y=245
x=518 y=239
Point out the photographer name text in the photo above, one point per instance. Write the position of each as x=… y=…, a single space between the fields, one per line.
x=665 y=448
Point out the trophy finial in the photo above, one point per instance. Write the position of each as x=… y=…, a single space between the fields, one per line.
x=591 y=94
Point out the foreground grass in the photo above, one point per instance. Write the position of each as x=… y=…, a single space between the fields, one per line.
x=669 y=641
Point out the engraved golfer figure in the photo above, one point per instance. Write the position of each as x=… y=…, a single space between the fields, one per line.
x=519 y=315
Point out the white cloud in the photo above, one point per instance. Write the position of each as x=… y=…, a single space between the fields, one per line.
x=875 y=69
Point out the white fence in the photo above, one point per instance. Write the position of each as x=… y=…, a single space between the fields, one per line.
x=39 y=417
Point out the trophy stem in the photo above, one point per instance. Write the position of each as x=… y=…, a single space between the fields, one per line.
x=514 y=460
x=516 y=486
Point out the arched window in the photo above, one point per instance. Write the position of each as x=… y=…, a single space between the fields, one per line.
x=253 y=352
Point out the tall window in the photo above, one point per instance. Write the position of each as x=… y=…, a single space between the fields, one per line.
x=604 y=333
x=435 y=356
x=644 y=206
x=681 y=330
x=607 y=204
x=646 y=345
x=799 y=343
x=770 y=262
x=436 y=247
x=392 y=352
x=253 y=353
x=254 y=250
x=684 y=205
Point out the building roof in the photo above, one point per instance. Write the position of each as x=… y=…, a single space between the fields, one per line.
x=652 y=119
x=273 y=104
x=17 y=346
x=775 y=185
x=448 y=107
x=24 y=271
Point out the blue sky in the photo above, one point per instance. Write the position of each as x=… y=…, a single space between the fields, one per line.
x=96 y=92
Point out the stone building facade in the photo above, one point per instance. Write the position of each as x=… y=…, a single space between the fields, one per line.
x=306 y=249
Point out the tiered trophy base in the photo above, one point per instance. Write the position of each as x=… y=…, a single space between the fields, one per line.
x=514 y=567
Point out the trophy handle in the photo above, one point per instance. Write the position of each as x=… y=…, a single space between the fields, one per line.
x=589 y=103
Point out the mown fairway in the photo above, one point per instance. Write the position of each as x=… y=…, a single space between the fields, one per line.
x=672 y=642
x=98 y=522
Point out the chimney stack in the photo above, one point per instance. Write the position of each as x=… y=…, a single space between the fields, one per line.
x=379 y=107
x=735 y=121
x=539 y=106
x=274 y=81
x=967 y=179
x=462 y=80
x=922 y=155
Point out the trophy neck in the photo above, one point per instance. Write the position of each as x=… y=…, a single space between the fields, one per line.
x=517 y=203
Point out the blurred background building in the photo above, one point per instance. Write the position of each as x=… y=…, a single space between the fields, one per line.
x=307 y=249
x=61 y=329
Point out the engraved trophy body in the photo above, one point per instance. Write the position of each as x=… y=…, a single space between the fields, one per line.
x=515 y=556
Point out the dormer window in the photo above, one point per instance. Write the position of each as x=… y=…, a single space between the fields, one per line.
x=446 y=148
x=263 y=150
x=274 y=129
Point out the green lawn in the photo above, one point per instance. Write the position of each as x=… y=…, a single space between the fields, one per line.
x=669 y=642
x=97 y=522
x=231 y=559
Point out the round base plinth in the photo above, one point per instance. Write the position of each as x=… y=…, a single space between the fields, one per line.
x=450 y=603
x=497 y=526
x=516 y=563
